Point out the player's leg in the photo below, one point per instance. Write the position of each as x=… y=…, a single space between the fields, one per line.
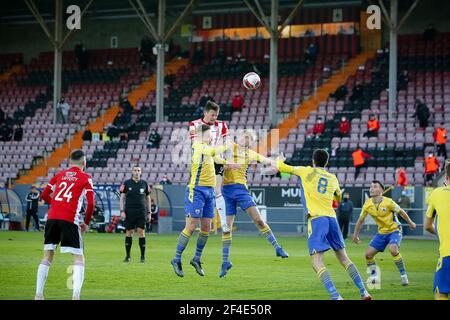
x=182 y=242
x=318 y=245
x=353 y=272
x=220 y=201
x=324 y=276
x=52 y=237
x=42 y=273
x=129 y=231
x=377 y=244
x=336 y=241
x=395 y=239
x=205 y=226
x=78 y=275
x=264 y=228
x=226 y=246
x=72 y=242
x=141 y=235
x=370 y=254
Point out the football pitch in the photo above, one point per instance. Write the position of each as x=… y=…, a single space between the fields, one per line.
x=256 y=274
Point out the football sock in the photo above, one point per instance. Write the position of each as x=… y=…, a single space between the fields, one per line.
x=354 y=274
x=42 y=273
x=372 y=266
x=183 y=240
x=78 y=278
x=220 y=206
x=128 y=243
x=201 y=242
x=269 y=236
x=226 y=244
x=398 y=259
x=142 y=246
x=324 y=276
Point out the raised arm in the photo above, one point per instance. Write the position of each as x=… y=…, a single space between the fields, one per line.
x=405 y=216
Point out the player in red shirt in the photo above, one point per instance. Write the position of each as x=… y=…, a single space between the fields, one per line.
x=219 y=131
x=63 y=225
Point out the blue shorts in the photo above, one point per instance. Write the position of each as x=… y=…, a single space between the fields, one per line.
x=201 y=203
x=324 y=233
x=380 y=241
x=442 y=276
x=236 y=195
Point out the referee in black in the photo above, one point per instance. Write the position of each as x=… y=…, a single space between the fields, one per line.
x=135 y=206
x=32 y=199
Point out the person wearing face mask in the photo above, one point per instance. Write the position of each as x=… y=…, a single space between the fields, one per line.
x=345 y=211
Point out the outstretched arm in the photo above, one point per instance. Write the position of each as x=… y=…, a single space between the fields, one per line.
x=405 y=216
x=358 y=227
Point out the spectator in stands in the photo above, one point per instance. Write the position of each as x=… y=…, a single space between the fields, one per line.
x=340 y=93
x=351 y=30
x=341 y=30
x=2 y=116
x=87 y=135
x=6 y=132
x=403 y=80
x=344 y=214
x=402 y=179
x=119 y=120
x=319 y=128
x=154 y=139
x=127 y=108
x=113 y=133
x=169 y=79
x=431 y=168
x=373 y=126
x=123 y=136
x=440 y=139
x=357 y=92
x=344 y=127
x=198 y=58
x=309 y=33
x=430 y=33
x=17 y=133
x=422 y=113
x=359 y=157
x=311 y=53
x=238 y=102
x=165 y=180
x=239 y=64
x=63 y=109
x=19 y=115
x=220 y=58
x=32 y=199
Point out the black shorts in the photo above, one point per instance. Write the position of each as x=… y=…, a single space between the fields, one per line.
x=64 y=232
x=135 y=220
x=219 y=169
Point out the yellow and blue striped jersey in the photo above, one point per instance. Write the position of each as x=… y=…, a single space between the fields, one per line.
x=202 y=164
x=439 y=207
x=243 y=157
x=318 y=189
x=384 y=214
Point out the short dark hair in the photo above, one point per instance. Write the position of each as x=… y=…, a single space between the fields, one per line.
x=379 y=182
x=136 y=166
x=320 y=157
x=211 y=105
x=77 y=155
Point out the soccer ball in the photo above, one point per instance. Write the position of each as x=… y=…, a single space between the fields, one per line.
x=251 y=81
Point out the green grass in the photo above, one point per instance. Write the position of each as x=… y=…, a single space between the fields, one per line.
x=257 y=273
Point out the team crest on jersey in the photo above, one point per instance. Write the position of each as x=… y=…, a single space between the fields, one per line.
x=197 y=211
x=70 y=174
x=141 y=190
x=383 y=209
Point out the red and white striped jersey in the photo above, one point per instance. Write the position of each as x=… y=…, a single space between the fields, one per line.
x=69 y=187
x=218 y=131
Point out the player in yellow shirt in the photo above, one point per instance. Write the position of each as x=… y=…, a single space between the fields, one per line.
x=384 y=211
x=199 y=198
x=318 y=189
x=236 y=193
x=437 y=221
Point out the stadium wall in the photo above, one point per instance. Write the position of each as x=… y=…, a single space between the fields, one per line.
x=426 y=12
x=31 y=40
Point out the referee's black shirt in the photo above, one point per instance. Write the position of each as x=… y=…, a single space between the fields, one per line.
x=136 y=193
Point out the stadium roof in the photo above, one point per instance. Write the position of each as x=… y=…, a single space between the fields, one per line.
x=17 y=11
